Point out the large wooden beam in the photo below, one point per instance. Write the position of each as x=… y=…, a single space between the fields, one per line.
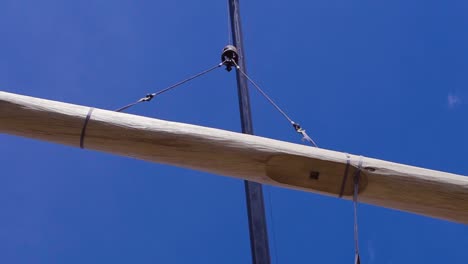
x=422 y=191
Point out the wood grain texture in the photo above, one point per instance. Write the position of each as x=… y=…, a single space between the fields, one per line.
x=422 y=191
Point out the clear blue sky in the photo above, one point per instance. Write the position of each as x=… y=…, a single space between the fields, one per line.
x=384 y=79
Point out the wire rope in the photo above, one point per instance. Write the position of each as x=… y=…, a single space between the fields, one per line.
x=296 y=126
x=150 y=96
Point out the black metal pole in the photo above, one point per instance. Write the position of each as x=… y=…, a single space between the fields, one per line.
x=254 y=194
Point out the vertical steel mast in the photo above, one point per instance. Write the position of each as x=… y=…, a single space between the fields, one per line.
x=254 y=194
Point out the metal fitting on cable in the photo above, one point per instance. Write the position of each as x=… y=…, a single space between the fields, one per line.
x=147 y=98
x=297 y=127
x=229 y=57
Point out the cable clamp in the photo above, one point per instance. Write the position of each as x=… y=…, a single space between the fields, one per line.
x=302 y=131
x=147 y=98
x=297 y=127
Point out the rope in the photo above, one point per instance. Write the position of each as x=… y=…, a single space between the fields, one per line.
x=345 y=176
x=83 y=130
x=149 y=97
x=357 y=177
x=295 y=125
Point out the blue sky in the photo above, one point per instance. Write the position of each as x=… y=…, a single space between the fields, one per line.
x=383 y=79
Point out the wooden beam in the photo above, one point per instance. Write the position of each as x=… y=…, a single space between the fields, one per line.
x=412 y=189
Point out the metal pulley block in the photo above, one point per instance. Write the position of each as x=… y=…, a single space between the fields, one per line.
x=230 y=57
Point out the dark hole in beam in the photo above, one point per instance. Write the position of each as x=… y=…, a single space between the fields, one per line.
x=314 y=175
